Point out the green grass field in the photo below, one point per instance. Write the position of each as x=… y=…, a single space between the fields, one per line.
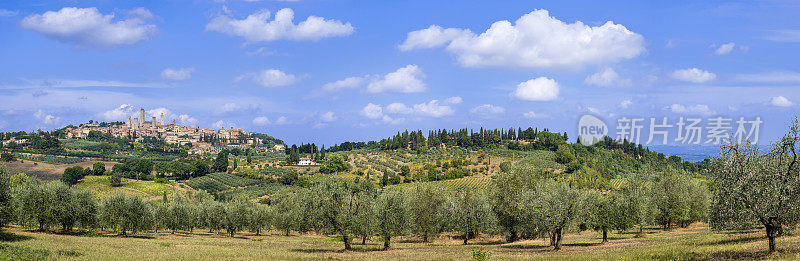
x=683 y=244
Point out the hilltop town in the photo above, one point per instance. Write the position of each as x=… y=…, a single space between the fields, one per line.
x=194 y=139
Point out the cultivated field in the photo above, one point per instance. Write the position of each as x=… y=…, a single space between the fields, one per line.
x=695 y=243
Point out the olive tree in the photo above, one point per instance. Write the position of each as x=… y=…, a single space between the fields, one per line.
x=260 y=218
x=335 y=204
x=750 y=188
x=32 y=205
x=635 y=205
x=505 y=195
x=6 y=207
x=550 y=208
x=602 y=213
x=126 y=213
x=679 y=200
x=285 y=215
x=425 y=204
x=237 y=216
x=469 y=213
x=393 y=215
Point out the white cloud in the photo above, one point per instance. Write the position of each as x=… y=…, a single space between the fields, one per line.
x=372 y=111
x=120 y=113
x=433 y=36
x=46 y=118
x=177 y=74
x=791 y=36
x=433 y=109
x=533 y=115
x=398 y=108
x=261 y=121
x=223 y=124
x=539 y=89
x=700 y=109
x=405 y=80
x=624 y=104
x=535 y=40
x=270 y=78
x=770 y=77
x=607 y=78
x=88 y=27
x=281 y=120
x=725 y=49
x=487 y=110
x=69 y=83
x=185 y=119
x=7 y=13
x=258 y=27
x=328 y=116
x=781 y=101
x=693 y=75
x=453 y=100
x=393 y=121
x=348 y=83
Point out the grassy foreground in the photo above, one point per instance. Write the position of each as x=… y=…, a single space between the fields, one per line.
x=685 y=244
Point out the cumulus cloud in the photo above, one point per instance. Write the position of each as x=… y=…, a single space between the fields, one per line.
x=120 y=113
x=607 y=78
x=693 y=75
x=270 y=78
x=533 y=115
x=487 y=110
x=405 y=80
x=348 y=83
x=781 y=101
x=45 y=118
x=539 y=89
x=261 y=121
x=725 y=49
x=399 y=108
x=624 y=104
x=433 y=109
x=261 y=27
x=699 y=109
x=328 y=117
x=87 y=27
x=372 y=111
x=535 y=40
x=177 y=74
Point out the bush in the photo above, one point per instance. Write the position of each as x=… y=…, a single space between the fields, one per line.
x=115 y=179
x=7 y=157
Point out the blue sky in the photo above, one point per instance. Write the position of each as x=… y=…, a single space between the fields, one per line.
x=361 y=70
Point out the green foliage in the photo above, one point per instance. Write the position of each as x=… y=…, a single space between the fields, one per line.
x=753 y=188
x=679 y=200
x=393 y=215
x=115 y=180
x=6 y=157
x=98 y=168
x=335 y=163
x=221 y=162
x=73 y=174
x=126 y=213
x=469 y=213
x=425 y=204
x=6 y=207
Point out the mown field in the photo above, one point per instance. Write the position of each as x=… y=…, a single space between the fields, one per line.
x=683 y=244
